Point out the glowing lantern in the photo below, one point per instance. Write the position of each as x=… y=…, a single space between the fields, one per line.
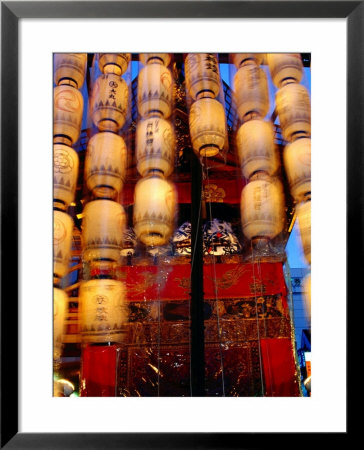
x=155 y=143
x=105 y=164
x=116 y=63
x=154 y=210
x=102 y=230
x=294 y=111
x=242 y=59
x=155 y=58
x=251 y=91
x=307 y=293
x=109 y=102
x=103 y=311
x=202 y=75
x=256 y=150
x=297 y=162
x=155 y=91
x=70 y=68
x=207 y=126
x=284 y=67
x=65 y=173
x=303 y=211
x=62 y=242
x=261 y=209
x=68 y=109
x=60 y=307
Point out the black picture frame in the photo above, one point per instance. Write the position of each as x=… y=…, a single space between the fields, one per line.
x=11 y=12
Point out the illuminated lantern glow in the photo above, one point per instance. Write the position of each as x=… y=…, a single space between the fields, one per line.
x=154 y=213
x=115 y=63
x=297 y=162
x=294 y=111
x=307 y=293
x=202 y=75
x=155 y=91
x=155 y=58
x=105 y=164
x=256 y=149
x=67 y=114
x=303 y=211
x=251 y=92
x=207 y=126
x=103 y=311
x=70 y=68
x=62 y=242
x=60 y=308
x=109 y=102
x=261 y=207
x=103 y=226
x=65 y=173
x=243 y=59
x=155 y=146
x=284 y=67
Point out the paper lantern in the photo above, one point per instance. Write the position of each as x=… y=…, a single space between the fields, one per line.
x=256 y=149
x=105 y=164
x=155 y=144
x=60 y=308
x=251 y=91
x=207 y=126
x=297 y=162
x=62 y=242
x=284 y=67
x=202 y=75
x=303 y=211
x=103 y=311
x=65 y=173
x=116 y=63
x=109 y=102
x=154 y=210
x=243 y=59
x=261 y=209
x=155 y=91
x=102 y=230
x=67 y=114
x=307 y=294
x=294 y=111
x=70 y=68
x=155 y=58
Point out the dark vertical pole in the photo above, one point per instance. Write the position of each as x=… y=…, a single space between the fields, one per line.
x=197 y=319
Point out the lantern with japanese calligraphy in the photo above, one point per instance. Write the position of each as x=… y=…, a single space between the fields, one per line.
x=70 y=68
x=155 y=143
x=284 y=67
x=251 y=92
x=105 y=164
x=155 y=91
x=155 y=58
x=294 y=111
x=256 y=149
x=202 y=75
x=207 y=126
x=242 y=59
x=303 y=211
x=261 y=209
x=109 y=102
x=67 y=116
x=65 y=173
x=102 y=230
x=154 y=210
x=103 y=311
x=60 y=308
x=297 y=162
x=116 y=63
x=62 y=242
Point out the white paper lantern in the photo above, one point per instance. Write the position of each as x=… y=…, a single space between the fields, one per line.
x=103 y=311
x=243 y=59
x=303 y=211
x=307 y=294
x=105 y=164
x=284 y=67
x=102 y=230
x=60 y=308
x=109 y=102
x=297 y=162
x=155 y=58
x=207 y=126
x=70 y=68
x=256 y=149
x=251 y=91
x=154 y=213
x=116 y=63
x=65 y=173
x=202 y=75
x=62 y=242
x=67 y=114
x=155 y=91
x=294 y=111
